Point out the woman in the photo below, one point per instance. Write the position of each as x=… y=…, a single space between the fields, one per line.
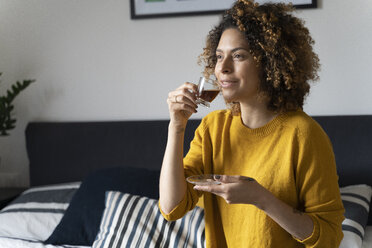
x=278 y=175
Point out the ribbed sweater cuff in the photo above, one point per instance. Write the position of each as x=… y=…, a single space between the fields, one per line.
x=312 y=239
x=176 y=213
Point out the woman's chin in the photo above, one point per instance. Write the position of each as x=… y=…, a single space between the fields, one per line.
x=229 y=98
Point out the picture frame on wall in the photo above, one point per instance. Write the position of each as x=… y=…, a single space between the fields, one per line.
x=166 y=8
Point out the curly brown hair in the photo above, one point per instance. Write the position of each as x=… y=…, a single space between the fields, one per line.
x=281 y=46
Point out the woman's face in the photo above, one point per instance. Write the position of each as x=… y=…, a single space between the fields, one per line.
x=236 y=70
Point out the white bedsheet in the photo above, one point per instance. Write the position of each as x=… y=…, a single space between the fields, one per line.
x=19 y=243
x=367 y=242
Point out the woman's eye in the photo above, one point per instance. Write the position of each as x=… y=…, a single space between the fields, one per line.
x=238 y=56
x=219 y=57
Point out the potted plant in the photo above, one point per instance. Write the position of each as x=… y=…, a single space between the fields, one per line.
x=7 y=121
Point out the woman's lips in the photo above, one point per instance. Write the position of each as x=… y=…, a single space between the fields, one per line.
x=227 y=83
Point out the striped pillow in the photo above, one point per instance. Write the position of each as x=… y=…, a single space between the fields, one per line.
x=36 y=212
x=135 y=221
x=356 y=200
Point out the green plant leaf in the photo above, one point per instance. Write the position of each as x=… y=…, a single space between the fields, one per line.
x=6 y=106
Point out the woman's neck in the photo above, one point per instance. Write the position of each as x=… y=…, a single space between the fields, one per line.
x=255 y=116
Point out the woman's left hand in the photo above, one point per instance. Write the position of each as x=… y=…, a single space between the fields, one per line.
x=236 y=189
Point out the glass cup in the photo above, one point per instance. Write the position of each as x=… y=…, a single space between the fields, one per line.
x=207 y=91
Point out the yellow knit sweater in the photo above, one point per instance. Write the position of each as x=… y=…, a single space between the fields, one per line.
x=291 y=156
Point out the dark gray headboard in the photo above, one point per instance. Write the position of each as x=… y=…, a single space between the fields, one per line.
x=67 y=151
x=351 y=137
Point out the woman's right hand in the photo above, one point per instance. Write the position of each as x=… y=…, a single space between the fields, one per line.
x=182 y=104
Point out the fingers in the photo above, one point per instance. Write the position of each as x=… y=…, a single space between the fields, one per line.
x=179 y=103
x=183 y=98
x=231 y=179
x=233 y=189
x=250 y=179
x=218 y=189
x=192 y=87
x=214 y=189
x=185 y=93
x=228 y=179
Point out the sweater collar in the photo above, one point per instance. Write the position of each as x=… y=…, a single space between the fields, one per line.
x=260 y=131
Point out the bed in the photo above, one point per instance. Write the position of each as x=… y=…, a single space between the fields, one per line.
x=95 y=184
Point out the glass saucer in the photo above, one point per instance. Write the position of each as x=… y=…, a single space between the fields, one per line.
x=205 y=179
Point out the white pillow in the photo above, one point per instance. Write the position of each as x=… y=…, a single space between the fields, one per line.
x=135 y=221
x=356 y=200
x=36 y=212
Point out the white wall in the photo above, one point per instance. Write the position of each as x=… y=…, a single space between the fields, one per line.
x=92 y=62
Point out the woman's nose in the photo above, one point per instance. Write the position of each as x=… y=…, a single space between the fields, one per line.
x=226 y=66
